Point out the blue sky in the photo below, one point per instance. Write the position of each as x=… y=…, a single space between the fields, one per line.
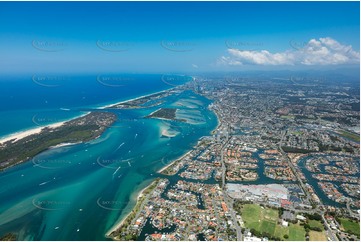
x=177 y=36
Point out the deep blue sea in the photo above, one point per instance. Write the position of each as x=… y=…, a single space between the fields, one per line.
x=31 y=100
x=79 y=192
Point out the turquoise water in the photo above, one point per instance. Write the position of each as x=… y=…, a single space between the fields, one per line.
x=79 y=192
x=26 y=102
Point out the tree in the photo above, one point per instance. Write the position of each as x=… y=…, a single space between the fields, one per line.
x=285 y=236
x=280 y=211
x=307 y=226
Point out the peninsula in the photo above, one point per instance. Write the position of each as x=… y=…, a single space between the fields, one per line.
x=19 y=149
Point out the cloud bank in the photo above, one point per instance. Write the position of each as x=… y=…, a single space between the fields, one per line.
x=324 y=51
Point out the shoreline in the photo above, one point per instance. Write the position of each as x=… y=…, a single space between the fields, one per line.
x=25 y=133
x=116 y=226
x=133 y=99
x=173 y=161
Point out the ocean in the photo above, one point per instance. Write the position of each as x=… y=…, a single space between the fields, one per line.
x=78 y=192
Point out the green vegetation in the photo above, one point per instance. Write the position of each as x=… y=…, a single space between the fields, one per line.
x=317 y=236
x=295 y=150
x=142 y=102
x=349 y=226
x=349 y=135
x=314 y=216
x=117 y=234
x=78 y=130
x=296 y=232
x=315 y=225
x=166 y=113
x=263 y=222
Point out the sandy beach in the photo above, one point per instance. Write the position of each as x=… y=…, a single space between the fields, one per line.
x=140 y=194
x=22 y=134
x=118 y=225
x=132 y=99
x=171 y=163
x=63 y=145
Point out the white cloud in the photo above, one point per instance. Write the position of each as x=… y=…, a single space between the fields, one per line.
x=195 y=66
x=325 y=51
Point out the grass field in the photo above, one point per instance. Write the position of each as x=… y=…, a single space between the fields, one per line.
x=352 y=226
x=265 y=220
x=315 y=224
x=317 y=236
x=296 y=232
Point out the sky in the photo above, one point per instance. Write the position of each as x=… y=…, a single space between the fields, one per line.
x=159 y=37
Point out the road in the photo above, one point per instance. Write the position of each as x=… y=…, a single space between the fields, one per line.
x=227 y=199
x=329 y=231
x=352 y=213
x=290 y=164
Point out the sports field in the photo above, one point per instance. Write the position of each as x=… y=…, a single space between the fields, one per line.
x=317 y=236
x=266 y=220
x=348 y=225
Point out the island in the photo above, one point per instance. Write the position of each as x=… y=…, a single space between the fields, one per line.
x=165 y=113
x=82 y=129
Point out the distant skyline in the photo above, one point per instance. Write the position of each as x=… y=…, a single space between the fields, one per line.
x=158 y=37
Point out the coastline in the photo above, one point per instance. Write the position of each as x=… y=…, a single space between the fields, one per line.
x=218 y=121
x=174 y=161
x=23 y=134
x=116 y=226
x=27 y=132
x=133 y=99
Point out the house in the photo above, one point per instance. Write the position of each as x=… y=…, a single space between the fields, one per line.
x=300 y=217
